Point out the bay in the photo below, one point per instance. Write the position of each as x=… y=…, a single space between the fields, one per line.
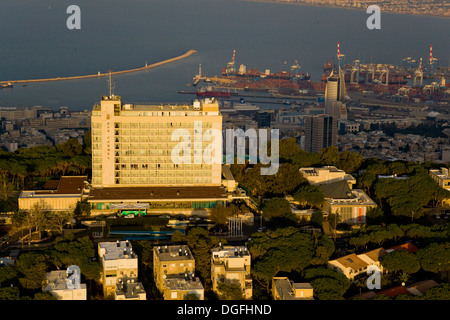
x=117 y=35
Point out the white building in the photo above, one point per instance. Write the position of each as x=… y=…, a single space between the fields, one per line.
x=118 y=261
x=57 y=284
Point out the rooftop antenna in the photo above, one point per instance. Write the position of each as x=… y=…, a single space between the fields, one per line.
x=110 y=85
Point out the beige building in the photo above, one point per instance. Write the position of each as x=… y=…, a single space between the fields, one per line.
x=231 y=264
x=56 y=283
x=56 y=195
x=442 y=178
x=157 y=158
x=326 y=175
x=129 y=289
x=176 y=287
x=340 y=197
x=133 y=144
x=118 y=262
x=354 y=266
x=171 y=262
x=285 y=289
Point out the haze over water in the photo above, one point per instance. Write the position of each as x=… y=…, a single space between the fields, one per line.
x=117 y=35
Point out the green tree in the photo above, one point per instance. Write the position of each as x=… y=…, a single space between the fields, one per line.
x=285 y=250
x=9 y=293
x=229 y=291
x=327 y=284
x=435 y=257
x=32 y=268
x=276 y=208
x=220 y=214
x=317 y=218
x=82 y=208
x=191 y=296
x=309 y=194
x=8 y=275
x=400 y=261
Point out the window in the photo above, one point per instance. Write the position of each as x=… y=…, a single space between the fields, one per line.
x=173 y=295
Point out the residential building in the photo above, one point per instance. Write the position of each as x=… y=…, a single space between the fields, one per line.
x=285 y=289
x=129 y=289
x=176 y=287
x=171 y=261
x=56 y=195
x=320 y=132
x=354 y=266
x=118 y=262
x=56 y=283
x=230 y=265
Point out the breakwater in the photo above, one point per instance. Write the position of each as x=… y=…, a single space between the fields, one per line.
x=99 y=74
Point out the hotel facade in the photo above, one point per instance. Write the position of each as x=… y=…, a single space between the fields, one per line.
x=156 y=158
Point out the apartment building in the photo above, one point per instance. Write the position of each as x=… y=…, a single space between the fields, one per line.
x=231 y=264
x=118 y=262
x=56 y=283
x=285 y=289
x=129 y=289
x=177 y=287
x=171 y=262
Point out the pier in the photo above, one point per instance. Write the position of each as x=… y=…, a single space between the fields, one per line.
x=98 y=75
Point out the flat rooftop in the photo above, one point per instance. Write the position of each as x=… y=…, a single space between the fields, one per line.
x=117 y=250
x=173 y=253
x=158 y=193
x=66 y=185
x=184 y=283
x=57 y=280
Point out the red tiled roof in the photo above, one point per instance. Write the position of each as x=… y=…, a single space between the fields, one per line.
x=393 y=292
x=405 y=247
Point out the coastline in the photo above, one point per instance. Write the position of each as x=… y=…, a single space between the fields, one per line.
x=347 y=8
x=99 y=75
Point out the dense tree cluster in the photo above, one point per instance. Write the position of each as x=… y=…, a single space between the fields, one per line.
x=286 y=250
x=70 y=157
x=29 y=273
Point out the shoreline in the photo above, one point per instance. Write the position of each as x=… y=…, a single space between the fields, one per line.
x=347 y=8
x=99 y=75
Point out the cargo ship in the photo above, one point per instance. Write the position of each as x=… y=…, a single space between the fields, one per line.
x=230 y=72
x=210 y=92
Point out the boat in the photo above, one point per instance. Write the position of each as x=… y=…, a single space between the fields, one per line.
x=238 y=107
x=210 y=92
x=8 y=85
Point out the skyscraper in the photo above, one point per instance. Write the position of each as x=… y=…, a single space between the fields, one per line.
x=335 y=96
x=320 y=132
